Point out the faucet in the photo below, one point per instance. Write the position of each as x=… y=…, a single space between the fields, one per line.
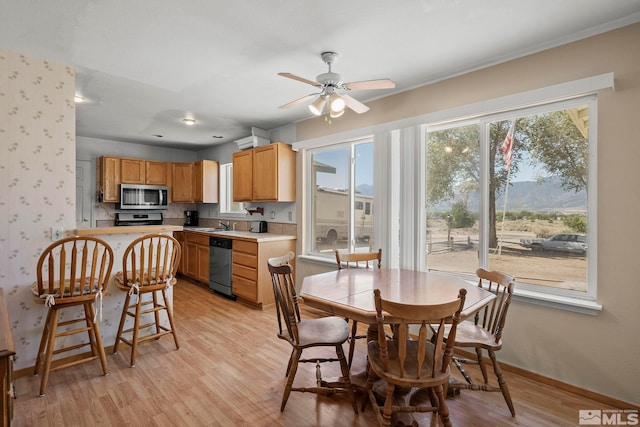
x=226 y=226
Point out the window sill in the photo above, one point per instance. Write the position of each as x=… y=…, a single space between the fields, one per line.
x=578 y=305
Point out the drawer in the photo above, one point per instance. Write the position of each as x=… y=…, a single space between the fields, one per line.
x=246 y=272
x=245 y=288
x=246 y=247
x=242 y=258
x=198 y=239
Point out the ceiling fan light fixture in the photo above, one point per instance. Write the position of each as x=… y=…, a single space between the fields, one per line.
x=317 y=106
x=336 y=103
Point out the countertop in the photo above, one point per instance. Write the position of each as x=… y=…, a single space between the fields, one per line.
x=143 y=229
x=241 y=235
x=127 y=230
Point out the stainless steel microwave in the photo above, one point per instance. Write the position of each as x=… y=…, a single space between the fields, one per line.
x=143 y=196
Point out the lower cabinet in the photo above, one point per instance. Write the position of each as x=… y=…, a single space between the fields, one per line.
x=195 y=262
x=251 y=281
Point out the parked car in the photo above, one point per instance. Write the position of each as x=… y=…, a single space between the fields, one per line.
x=563 y=242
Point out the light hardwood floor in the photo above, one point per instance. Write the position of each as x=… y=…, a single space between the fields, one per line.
x=230 y=370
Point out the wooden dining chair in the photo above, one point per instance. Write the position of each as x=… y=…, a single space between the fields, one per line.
x=357 y=260
x=149 y=266
x=484 y=333
x=72 y=272
x=302 y=334
x=419 y=361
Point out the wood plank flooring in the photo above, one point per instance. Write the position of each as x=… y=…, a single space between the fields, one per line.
x=229 y=371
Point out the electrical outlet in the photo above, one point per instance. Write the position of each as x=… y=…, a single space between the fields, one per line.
x=273 y=215
x=56 y=233
x=290 y=216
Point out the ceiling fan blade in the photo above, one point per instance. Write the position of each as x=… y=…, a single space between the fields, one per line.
x=370 y=84
x=300 y=79
x=354 y=104
x=298 y=101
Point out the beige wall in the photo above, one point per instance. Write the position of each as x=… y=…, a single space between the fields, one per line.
x=597 y=353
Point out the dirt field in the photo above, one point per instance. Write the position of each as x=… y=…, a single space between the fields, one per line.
x=554 y=269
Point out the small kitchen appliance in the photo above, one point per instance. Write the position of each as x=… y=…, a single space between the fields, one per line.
x=258 y=226
x=191 y=218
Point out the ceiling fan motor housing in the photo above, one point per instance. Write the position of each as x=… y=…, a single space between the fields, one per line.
x=330 y=79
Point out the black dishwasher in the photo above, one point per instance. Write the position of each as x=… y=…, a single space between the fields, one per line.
x=220 y=266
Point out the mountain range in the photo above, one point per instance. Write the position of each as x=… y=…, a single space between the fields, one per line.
x=547 y=195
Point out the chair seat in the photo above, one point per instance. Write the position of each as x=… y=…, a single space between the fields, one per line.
x=119 y=280
x=471 y=335
x=393 y=373
x=67 y=289
x=330 y=330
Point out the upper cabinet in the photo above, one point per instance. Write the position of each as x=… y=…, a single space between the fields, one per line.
x=156 y=173
x=195 y=182
x=265 y=174
x=182 y=182
x=243 y=176
x=108 y=179
x=188 y=182
x=205 y=181
x=132 y=171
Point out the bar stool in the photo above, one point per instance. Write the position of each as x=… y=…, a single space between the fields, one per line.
x=149 y=267
x=71 y=272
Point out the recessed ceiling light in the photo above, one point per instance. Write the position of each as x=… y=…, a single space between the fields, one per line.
x=217 y=136
x=189 y=122
x=78 y=99
x=158 y=135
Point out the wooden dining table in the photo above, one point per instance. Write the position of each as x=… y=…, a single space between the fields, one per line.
x=349 y=292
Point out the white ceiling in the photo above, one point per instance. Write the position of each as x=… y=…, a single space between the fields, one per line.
x=146 y=64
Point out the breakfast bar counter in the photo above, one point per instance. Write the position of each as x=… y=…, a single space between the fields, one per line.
x=137 y=229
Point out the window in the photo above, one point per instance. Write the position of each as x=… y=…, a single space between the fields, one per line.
x=341 y=191
x=447 y=201
x=509 y=192
x=227 y=205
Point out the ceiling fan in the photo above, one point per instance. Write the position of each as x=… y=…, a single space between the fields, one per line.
x=332 y=90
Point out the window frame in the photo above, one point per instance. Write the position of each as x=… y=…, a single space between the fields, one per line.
x=226 y=193
x=309 y=223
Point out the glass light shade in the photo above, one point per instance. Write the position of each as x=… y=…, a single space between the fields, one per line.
x=335 y=114
x=317 y=106
x=337 y=103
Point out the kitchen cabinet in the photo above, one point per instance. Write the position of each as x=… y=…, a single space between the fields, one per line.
x=251 y=281
x=156 y=173
x=179 y=236
x=196 y=262
x=132 y=171
x=205 y=181
x=108 y=179
x=265 y=174
x=182 y=182
x=195 y=182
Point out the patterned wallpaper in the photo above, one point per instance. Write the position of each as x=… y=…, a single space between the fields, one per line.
x=38 y=191
x=37 y=168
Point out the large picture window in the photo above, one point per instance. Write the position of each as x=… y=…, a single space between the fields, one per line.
x=510 y=193
x=341 y=198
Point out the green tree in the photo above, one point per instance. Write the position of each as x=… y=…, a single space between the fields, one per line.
x=551 y=140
